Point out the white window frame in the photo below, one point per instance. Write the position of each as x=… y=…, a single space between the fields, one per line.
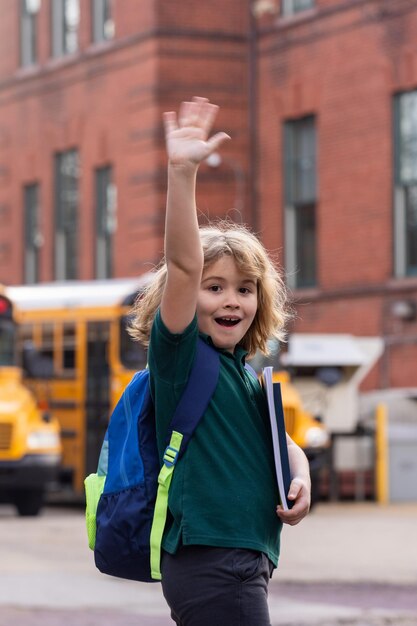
x=67 y=185
x=29 y=10
x=65 y=35
x=106 y=221
x=402 y=180
x=292 y=7
x=293 y=207
x=33 y=237
x=102 y=25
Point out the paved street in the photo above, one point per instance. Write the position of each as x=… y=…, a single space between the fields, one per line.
x=347 y=564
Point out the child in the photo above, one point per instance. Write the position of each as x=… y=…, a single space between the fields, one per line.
x=222 y=538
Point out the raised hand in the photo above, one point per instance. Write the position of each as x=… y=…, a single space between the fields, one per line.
x=187 y=138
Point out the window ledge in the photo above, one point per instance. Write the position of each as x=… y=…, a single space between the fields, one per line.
x=305 y=293
x=95 y=47
x=402 y=283
x=284 y=22
x=27 y=71
x=51 y=64
x=296 y=18
x=391 y=286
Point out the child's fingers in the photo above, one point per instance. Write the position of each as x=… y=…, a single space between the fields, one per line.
x=199 y=112
x=199 y=104
x=294 y=490
x=291 y=520
x=208 y=115
x=294 y=515
x=300 y=495
x=190 y=112
x=170 y=121
x=216 y=141
x=184 y=113
x=199 y=99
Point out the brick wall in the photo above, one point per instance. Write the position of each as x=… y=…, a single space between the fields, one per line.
x=343 y=63
x=107 y=101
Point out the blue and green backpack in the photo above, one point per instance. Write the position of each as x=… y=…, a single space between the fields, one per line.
x=127 y=498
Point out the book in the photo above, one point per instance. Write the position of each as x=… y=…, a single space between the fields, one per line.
x=279 y=438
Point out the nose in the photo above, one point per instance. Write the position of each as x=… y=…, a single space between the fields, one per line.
x=231 y=300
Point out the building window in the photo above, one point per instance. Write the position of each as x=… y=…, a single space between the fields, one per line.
x=67 y=174
x=29 y=10
x=106 y=221
x=65 y=25
x=290 y=7
x=300 y=184
x=102 y=22
x=33 y=237
x=405 y=194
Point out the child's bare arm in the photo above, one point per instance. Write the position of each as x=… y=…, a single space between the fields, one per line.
x=188 y=144
x=300 y=488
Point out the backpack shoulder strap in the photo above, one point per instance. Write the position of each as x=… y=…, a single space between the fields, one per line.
x=190 y=409
x=197 y=393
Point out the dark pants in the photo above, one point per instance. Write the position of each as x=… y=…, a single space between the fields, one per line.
x=207 y=586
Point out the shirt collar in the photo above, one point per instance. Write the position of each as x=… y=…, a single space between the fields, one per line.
x=239 y=353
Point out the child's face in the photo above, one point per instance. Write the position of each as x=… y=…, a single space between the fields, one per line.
x=227 y=303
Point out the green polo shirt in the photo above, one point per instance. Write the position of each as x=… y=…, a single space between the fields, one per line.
x=224 y=490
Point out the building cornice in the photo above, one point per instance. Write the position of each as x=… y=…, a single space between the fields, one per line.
x=392 y=287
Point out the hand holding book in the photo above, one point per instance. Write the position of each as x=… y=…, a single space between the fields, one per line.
x=279 y=438
x=291 y=464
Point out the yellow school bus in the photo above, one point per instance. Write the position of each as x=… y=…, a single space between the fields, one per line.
x=30 y=445
x=78 y=357
x=75 y=334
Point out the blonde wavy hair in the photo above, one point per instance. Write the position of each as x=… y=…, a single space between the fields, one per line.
x=250 y=256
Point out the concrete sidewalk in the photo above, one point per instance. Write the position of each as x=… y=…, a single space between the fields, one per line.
x=350 y=564
x=352 y=542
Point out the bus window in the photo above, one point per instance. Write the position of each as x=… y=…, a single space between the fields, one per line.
x=24 y=337
x=7 y=333
x=37 y=350
x=68 y=361
x=7 y=343
x=97 y=391
x=34 y=364
x=47 y=347
x=132 y=354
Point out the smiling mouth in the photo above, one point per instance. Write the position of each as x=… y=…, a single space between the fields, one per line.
x=227 y=321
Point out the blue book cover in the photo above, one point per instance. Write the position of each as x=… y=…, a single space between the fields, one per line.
x=279 y=439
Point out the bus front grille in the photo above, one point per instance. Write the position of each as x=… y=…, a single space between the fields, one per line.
x=5 y=436
x=289 y=415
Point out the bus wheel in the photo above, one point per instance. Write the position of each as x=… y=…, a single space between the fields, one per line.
x=29 y=502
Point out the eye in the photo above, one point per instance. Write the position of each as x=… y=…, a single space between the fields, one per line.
x=214 y=288
x=244 y=290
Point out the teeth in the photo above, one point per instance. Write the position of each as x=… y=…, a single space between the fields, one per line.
x=229 y=321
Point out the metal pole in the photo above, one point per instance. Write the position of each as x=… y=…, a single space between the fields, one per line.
x=382 y=458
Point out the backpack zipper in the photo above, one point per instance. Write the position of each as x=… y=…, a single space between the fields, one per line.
x=128 y=413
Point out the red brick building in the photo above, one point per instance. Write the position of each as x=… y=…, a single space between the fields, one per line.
x=83 y=85
x=338 y=169
x=320 y=97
